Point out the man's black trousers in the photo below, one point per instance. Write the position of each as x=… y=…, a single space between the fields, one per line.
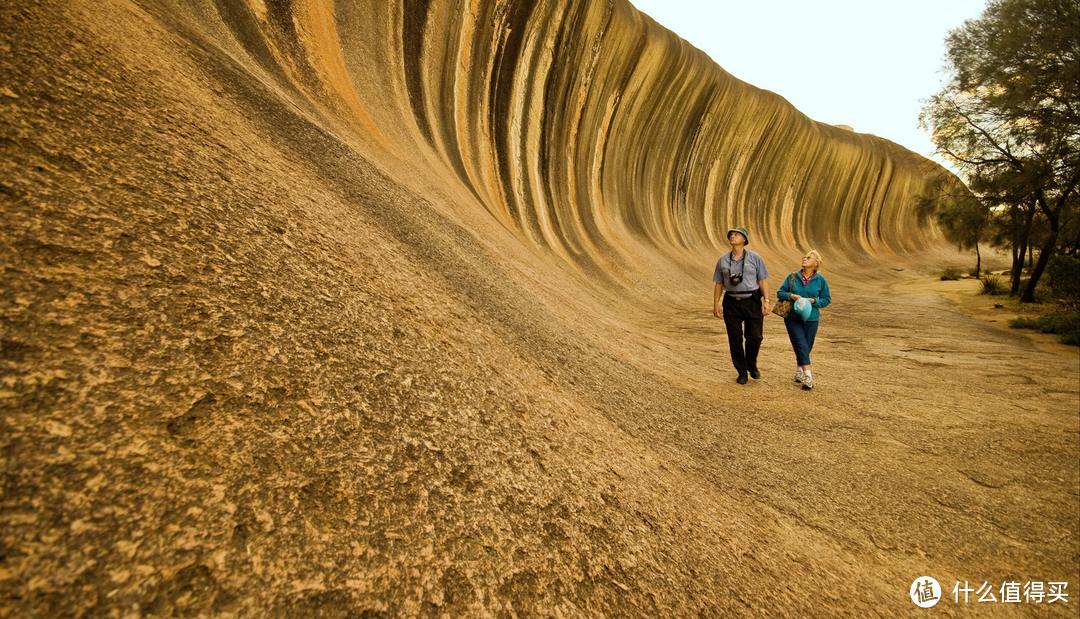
x=743 y=316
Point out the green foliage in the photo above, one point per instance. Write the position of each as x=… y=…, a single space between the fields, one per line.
x=1009 y=120
x=992 y=284
x=962 y=218
x=1020 y=57
x=1024 y=323
x=951 y=274
x=1066 y=324
x=1063 y=277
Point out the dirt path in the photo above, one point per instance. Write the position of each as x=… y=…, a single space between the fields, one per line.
x=934 y=442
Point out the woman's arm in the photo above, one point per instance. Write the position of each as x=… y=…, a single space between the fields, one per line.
x=784 y=292
x=823 y=298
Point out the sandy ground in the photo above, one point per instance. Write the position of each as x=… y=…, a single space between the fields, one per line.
x=246 y=370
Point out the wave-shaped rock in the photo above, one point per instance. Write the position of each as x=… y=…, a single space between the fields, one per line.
x=402 y=308
x=577 y=123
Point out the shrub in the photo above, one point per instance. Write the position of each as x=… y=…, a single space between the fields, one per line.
x=951 y=274
x=1065 y=324
x=1063 y=277
x=1024 y=323
x=992 y=284
x=1060 y=322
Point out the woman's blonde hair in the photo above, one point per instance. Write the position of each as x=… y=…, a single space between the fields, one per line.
x=813 y=253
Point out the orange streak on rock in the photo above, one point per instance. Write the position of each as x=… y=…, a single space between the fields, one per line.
x=316 y=19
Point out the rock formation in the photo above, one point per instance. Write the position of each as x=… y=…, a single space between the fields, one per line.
x=362 y=307
x=580 y=123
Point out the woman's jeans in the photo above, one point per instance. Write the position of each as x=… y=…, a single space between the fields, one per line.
x=802 y=336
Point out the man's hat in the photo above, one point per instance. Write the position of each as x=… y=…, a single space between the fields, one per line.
x=743 y=231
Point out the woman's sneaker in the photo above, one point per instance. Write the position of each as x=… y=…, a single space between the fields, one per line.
x=807 y=382
x=799 y=376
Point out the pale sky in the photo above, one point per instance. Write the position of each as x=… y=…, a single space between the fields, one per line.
x=863 y=63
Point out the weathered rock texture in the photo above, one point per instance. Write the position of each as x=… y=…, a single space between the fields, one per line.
x=354 y=308
x=580 y=123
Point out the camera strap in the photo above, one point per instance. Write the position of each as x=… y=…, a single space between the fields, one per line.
x=742 y=267
x=741 y=261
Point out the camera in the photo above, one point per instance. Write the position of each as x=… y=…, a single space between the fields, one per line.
x=735 y=278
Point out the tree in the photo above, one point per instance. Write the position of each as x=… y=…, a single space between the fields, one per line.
x=1013 y=213
x=1009 y=116
x=963 y=218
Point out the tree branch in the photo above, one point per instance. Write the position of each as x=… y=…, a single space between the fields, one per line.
x=1068 y=190
x=973 y=162
x=1011 y=159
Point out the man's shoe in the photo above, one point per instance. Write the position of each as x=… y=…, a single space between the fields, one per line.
x=808 y=382
x=741 y=379
x=754 y=373
x=799 y=375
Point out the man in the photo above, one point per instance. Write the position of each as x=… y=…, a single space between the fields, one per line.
x=741 y=277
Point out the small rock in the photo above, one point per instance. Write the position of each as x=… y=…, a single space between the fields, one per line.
x=120 y=576
x=57 y=429
x=153 y=263
x=998 y=306
x=81 y=526
x=9 y=93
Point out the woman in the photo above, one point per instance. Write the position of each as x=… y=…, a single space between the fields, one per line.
x=810 y=284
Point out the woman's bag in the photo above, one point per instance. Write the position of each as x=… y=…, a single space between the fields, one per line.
x=783 y=308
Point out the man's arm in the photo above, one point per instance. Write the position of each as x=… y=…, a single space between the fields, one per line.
x=763 y=285
x=717 y=291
